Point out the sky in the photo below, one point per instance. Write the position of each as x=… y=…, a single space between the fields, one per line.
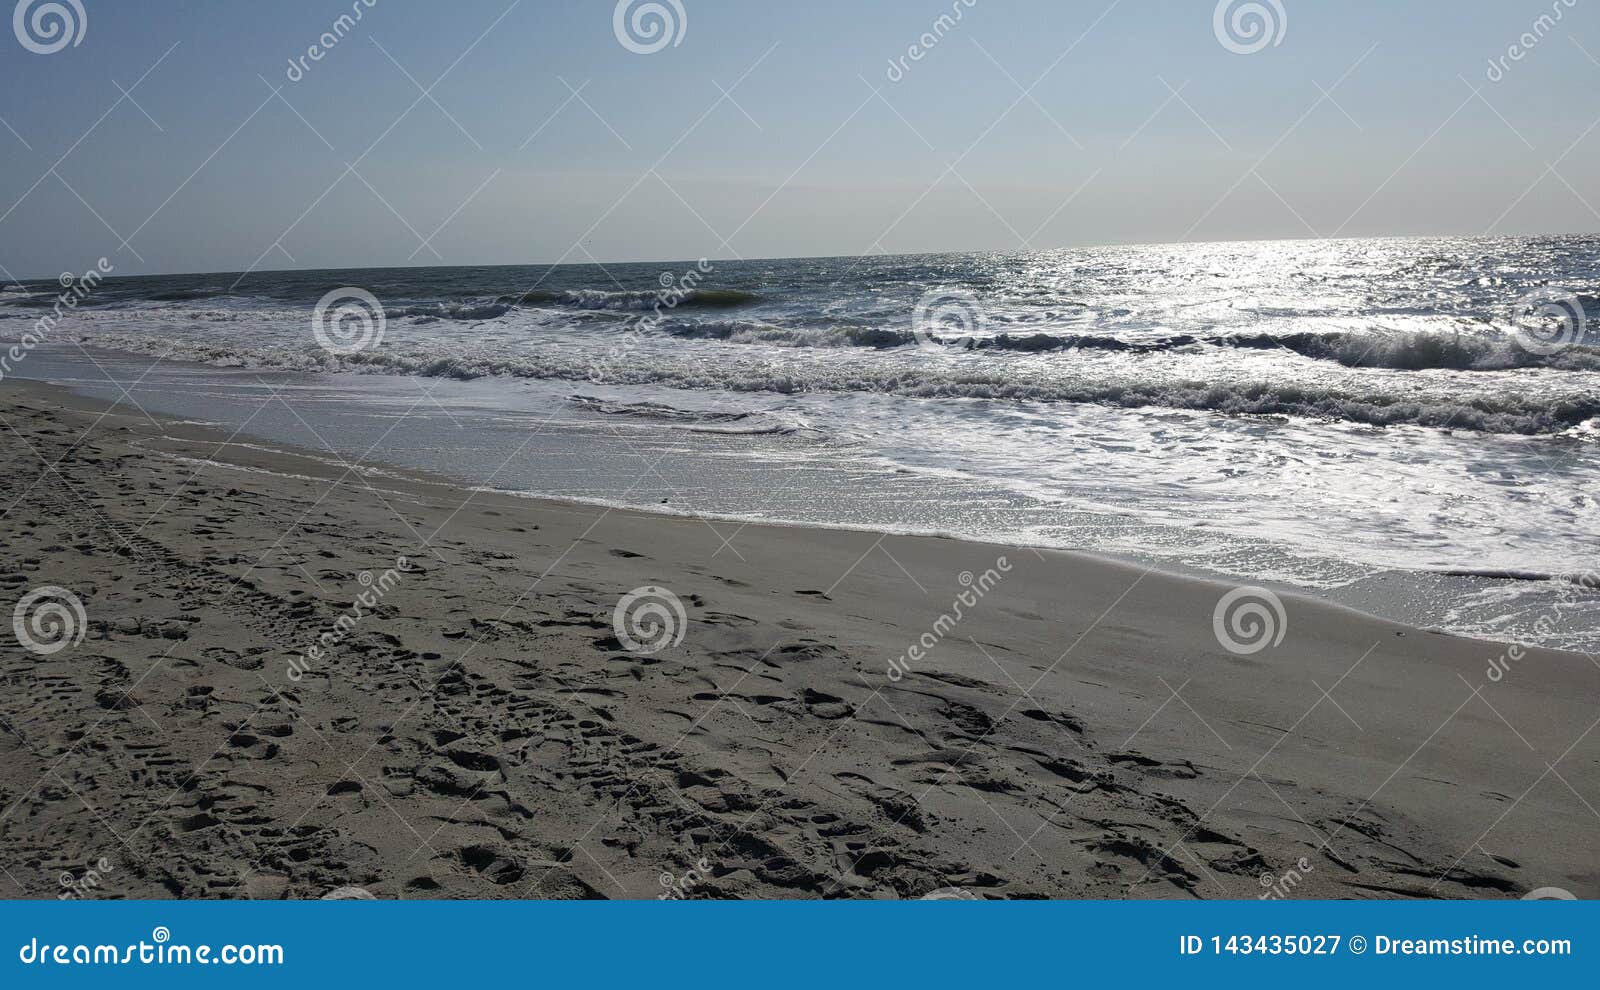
x=179 y=136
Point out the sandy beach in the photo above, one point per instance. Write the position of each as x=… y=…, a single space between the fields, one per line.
x=826 y=726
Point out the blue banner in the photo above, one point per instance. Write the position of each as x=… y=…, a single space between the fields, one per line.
x=792 y=944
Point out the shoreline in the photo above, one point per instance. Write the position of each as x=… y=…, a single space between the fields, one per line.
x=1080 y=732
x=273 y=449
x=495 y=436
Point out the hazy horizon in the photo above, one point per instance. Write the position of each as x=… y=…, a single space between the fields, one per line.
x=190 y=139
x=265 y=271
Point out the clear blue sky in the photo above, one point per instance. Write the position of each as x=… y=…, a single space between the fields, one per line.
x=804 y=159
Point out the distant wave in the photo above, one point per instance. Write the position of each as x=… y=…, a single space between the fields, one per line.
x=632 y=299
x=45 y=300
x=455 y=310
x=1508 y=413
x=409 y=302
x=1482 y=350
x=754 y=332
x=1415 y=351
x=184 y=295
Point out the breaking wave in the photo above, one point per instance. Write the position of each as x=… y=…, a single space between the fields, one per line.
x=1370 y=404
x=455 y=311
x=1423 y=351
x=1414 y=351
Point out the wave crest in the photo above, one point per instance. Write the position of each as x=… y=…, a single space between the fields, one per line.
x=1401 y=351
x=627 y=300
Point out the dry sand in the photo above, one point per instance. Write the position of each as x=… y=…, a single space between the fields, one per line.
x=482 y=732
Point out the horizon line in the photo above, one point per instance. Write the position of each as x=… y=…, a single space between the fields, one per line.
x=552 y=265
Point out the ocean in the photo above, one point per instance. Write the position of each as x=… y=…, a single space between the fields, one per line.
x=1404 y=425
